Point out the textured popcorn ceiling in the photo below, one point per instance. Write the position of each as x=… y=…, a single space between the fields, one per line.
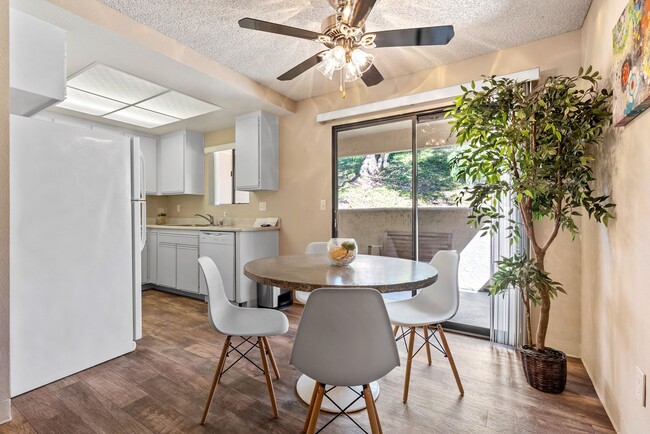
x=482 y=26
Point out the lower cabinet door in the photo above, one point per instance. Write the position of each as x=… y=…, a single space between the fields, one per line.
x=187 y=268
x=166 y=269
x=152 y=256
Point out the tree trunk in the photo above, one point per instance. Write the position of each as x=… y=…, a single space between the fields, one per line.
x=545 y=307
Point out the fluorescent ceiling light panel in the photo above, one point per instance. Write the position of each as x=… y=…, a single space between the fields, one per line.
x=89 y=103
x=111 y=83
x=141 y=117
x=178 y=105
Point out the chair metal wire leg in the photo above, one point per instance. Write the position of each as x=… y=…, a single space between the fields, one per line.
x=409 y=360
x=267 y=374
x=316 y=411
x=426 y=343
x=217 y=376
x=451 y=360
x=269 y=352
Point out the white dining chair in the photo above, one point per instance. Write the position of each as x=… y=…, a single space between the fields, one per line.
x=245 y=323
x=315 y=248
x=428 y=309
x=344 y=339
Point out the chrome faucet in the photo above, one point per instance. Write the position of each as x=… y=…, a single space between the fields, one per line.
x=209 y=218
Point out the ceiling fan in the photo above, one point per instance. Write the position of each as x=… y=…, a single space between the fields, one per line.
x=345 y=38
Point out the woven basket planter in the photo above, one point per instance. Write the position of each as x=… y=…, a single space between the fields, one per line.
x=545 y=370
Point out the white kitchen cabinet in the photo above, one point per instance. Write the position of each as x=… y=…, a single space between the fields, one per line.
x=181 y=163
x=177 y=261
x=187 y=268
x=37 y=64
x=152 y=256
x=256 y=152
x=149 y=148
x=166 y=275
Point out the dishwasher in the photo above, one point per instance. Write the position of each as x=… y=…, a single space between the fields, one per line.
x=220 y=247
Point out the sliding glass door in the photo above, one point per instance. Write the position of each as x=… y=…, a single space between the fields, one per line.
x=394 y=192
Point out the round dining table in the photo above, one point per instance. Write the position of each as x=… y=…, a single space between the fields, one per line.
x=310 y=272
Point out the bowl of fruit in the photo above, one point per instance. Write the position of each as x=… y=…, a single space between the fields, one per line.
x=342 y=251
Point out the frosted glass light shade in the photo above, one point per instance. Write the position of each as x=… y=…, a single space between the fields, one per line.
x=362 y=60
x=84 y=102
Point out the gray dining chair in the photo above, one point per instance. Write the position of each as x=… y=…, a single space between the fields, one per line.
x=246 y=323
x=344 y=339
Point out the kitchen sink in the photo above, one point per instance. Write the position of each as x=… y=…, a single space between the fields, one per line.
x=194 y=226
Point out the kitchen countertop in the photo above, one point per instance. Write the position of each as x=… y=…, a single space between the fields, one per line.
x=213 y=228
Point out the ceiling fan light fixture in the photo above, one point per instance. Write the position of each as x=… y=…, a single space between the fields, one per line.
x=351 y=72
x=362 y=60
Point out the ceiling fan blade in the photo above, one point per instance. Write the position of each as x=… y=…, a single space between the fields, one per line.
x=301 y=67
x=437 y=35
x=265 y=26
x=372 y=76
x=360 y=12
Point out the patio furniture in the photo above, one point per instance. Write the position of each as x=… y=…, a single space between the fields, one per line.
x=344 y=339
x=241 y=322
x=399 y=244
x=430 y=307
x=315 y=248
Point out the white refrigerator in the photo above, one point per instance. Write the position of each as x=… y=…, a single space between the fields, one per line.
x=77 y=217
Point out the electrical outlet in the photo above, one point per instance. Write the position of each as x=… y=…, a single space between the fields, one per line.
x=262 y=206
x=640 y=386
x=323 y=204
x=178 y=208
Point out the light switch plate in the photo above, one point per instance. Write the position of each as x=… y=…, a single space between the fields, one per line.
x=262 y=206
x=178 y=208
x=323 y=204
x=640 y=386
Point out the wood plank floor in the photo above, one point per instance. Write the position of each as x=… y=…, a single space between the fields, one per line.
x=161 y=388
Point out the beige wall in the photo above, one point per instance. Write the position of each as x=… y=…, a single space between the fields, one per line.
x=4 y=211
x=615 y=291
x=305 y=164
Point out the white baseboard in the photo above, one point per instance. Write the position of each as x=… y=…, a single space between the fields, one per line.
x=5 y=411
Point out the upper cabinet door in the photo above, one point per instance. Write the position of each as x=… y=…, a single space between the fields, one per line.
x=247 y=162
x=256 y=152
x=149 y=148
x=37 y=64
x=172 y=170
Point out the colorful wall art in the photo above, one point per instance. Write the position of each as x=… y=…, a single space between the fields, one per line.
x=632 y=62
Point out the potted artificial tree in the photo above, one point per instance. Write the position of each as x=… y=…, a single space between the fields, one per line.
x=530 y=147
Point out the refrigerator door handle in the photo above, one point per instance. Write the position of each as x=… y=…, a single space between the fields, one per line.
x=143 y=186
x=143 y=224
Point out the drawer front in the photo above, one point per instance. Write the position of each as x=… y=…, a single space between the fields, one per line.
x=179 y=238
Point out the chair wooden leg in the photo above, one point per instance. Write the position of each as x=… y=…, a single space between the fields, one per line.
x=395 y=330
x=409 y=360
x=316 y=410
x=374 y=406
x=426 y=338
x=217 y=376
x=370 y=406
x=451 y=360
x=269 y=351
x=310 y=410
x=267 y=374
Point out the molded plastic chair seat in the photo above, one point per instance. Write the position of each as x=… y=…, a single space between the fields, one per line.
x=430 y=307
x=245 y=323
x=344 y=339
x=412 y=313
x=254 y=322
